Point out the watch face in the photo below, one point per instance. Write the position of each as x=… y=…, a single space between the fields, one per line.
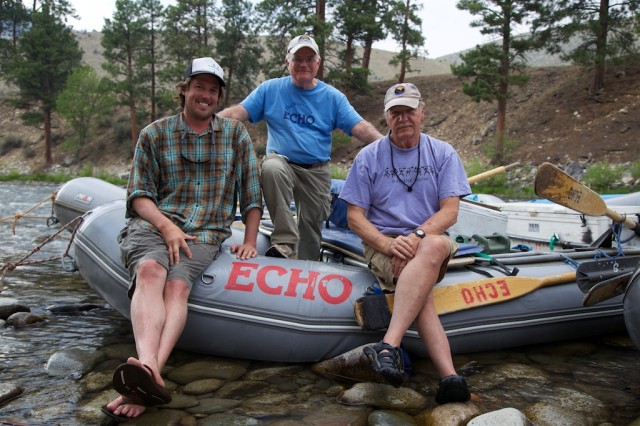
x=419 y=232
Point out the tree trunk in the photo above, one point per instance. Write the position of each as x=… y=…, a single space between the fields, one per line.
x=321 y=17
x=601 y=48
x=48 y=156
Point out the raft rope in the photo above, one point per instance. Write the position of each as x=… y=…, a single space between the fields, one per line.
x=24 y=215
x=617 y=232
x=13 y=265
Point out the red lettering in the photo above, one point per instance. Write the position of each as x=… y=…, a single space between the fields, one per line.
x=493 y=294
x=467 y=296
x=262 y=279
x=479 y=292
x=240 y=270
x=504 y=286
x=340 y=298
x=297 y=279
x=271 y=279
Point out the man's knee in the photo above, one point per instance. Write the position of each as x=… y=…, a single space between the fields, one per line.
x=150 y=271
x=176 y=289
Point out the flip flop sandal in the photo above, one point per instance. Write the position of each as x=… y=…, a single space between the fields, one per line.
x=137 y=384
x=115 y=417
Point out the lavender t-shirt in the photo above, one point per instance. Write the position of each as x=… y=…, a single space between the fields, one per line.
x=390 y=206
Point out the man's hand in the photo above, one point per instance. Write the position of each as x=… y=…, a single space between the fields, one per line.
x=402 y=250
x=176 y=240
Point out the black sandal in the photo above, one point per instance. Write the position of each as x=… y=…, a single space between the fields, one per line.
x=452 y=389
x=386 y=360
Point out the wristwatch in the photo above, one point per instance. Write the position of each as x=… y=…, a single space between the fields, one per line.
x=420 y=233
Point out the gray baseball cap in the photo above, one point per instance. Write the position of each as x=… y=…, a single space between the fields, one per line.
x=204 y=66
x=405 y=94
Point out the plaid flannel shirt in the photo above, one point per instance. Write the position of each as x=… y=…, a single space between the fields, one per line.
x=196 y=180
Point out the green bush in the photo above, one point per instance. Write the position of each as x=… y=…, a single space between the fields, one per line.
x=339 y=140
x=337 y=172
x=635 y=170
x=10 y=143
x=601 y=176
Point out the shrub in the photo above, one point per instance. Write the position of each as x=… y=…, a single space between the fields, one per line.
x=339 y=140
x=601 y=176
x=635 y=170
x=10 y=143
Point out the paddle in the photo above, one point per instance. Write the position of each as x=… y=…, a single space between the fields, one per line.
x=607 y=289
x=593 y=272
x=557 y=186
x=489 y=173
x=466 y=295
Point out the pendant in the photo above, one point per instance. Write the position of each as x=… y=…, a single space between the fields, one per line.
x=409 y=189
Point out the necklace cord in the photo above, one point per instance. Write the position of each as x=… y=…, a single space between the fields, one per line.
x=395 y=172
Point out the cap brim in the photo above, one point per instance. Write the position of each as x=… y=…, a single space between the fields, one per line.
x=411 y=103
x=294 y=49
x=206 y=72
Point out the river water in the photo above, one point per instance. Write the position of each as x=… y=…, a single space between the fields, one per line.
x=605 y=370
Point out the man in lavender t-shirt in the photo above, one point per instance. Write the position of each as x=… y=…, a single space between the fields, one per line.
x=403 y=192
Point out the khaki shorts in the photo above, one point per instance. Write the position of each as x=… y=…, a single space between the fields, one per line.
x=380 y=264
x=138 y=243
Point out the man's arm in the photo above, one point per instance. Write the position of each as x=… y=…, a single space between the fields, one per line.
x=237 y=112
x=365 y=132
x=174 y=237
x=445 y=218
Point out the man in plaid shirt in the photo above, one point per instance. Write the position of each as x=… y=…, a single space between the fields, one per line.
x=189 y=173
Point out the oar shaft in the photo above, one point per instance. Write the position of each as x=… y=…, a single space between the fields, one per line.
x=489 y=173
x=618 y=218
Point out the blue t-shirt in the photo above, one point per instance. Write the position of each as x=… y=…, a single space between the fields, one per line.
x=372 y=185
x=300 y=121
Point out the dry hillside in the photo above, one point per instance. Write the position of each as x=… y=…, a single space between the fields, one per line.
x=552 y=119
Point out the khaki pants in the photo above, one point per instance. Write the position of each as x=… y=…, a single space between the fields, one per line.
x=309 y=187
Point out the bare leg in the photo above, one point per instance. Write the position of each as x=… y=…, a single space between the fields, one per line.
x=435 y=339
x=414 y=289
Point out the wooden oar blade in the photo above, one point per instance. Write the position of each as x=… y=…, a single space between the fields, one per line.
x=557 y=186
x=473 y=294
x=593 y=272
x=607 y=289
x=373 y=314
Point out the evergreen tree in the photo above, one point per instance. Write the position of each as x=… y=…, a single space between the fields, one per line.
x=494 y=67
x=123 y=39
x=405 y=26
x=238 y=48
x=605 y=28
x=282 y=20
x=188 y=27
x=46 y=54
x=152 y=16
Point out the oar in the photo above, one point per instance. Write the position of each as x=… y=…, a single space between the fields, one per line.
x=557 y=186
x=592 y=272
x=473 y=294
x=607 y=289
x=492 y=172
x=467 y=295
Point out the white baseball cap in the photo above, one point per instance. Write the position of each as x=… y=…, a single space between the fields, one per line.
x=204 y=66
x=301 y=41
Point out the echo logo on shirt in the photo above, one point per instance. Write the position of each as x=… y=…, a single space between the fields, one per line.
x=299 y=116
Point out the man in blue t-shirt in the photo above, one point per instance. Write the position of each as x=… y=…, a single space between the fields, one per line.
x=403 y=192
x=301 y=112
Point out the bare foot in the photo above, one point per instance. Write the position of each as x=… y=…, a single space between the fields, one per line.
x=154 y=373
x=121 y=407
